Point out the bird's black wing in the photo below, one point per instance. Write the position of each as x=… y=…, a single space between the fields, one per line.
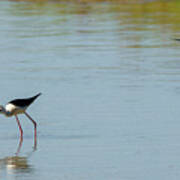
x=24 y=102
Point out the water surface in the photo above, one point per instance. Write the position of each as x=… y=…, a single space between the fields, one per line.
x=110 y=77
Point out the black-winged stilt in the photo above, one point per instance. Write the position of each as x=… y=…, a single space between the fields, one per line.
x=19 y=106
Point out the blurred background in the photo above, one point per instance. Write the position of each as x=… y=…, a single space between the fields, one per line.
x=109 y=73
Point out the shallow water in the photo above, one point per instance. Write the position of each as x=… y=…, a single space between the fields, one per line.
x=110 y=78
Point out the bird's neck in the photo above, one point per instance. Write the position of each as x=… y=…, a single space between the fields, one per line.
x=5 y=112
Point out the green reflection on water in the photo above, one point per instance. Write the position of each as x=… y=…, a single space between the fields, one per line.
x=134 y=17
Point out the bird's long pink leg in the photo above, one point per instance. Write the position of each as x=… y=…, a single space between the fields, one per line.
x=20 y=128
x=35 y=131
x=21 y=135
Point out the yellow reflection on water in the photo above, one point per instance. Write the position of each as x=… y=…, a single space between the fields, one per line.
x=142 y=13
x=137 y=8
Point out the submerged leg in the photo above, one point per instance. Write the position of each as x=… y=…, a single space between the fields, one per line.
x=35 y=131
x=19 y=146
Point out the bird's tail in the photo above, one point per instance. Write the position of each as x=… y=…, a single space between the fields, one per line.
x=37 y=95
x=34 y=97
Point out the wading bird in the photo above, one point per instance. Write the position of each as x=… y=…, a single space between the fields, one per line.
x=19 y=106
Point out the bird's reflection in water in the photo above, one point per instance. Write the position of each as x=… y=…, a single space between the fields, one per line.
x=15 y=164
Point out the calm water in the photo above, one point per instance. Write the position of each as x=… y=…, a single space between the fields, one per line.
x=110 y=78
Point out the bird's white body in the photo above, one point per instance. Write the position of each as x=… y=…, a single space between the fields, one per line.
x=12 y=110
